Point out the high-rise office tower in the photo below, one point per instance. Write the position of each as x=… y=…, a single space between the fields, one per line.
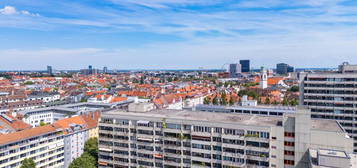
x=290 y=69
x=234 y=70
x=90 y=69
x=245 y=65
x=49 y=70
x=105 y=70
x=282 y=68
x=332 y=95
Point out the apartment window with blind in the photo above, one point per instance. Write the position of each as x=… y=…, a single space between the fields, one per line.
x=289 y=134
x=286 y=143
x=289 y=162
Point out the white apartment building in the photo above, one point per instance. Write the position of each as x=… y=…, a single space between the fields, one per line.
x=46 y=98
x=180 y=138
x=332 y=95
x=50 y=115
x=50 y=146
x=74 y=142
x=42 y=144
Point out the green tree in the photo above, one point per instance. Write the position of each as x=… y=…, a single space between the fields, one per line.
x=162 y=80
x=294 y=102
x=28 y=83
x=83 y=100
x=231 y=102
x=275 y=102
x=91 y=147
x=142 y=80
x=89 y=158
x=135 y=80
x=215 y=101
x=294 y=88
x=226 y=84
x=85 y=161
x=42 y=123
x=267 y=100
x=206 y=100
x=259 y=100
x=285 y=102
x=223 y=99
x=28 y=163
x=250 y=93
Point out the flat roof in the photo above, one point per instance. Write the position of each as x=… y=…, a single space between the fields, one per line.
x=331 y=74
x=332 y=153
x=256 y=120
x=284 y=109
x=326 y=125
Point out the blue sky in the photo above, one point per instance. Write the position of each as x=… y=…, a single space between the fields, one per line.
x=182 y=34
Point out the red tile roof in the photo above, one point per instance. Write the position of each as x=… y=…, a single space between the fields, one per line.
x=27 y=133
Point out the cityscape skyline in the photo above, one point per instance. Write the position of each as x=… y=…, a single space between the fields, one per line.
x=178 y=83
x=176 y=34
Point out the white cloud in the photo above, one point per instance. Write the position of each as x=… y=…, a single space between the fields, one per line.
x=165 y=3
x=10 y=10
x=322 y=31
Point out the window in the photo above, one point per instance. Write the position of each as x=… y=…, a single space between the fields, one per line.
x=291 y=153
x=202 y=129
x=173 y=126
x=234 y=132
x=218 y=130
x=286 y=143
x=289 y=134
x=289 y=162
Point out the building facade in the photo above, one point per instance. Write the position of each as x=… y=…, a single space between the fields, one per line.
x=50 y=146
x=245 y=65
x=282 y=68
x=49 y=70
x=74 y=142
x=44 y=145
x=179 y=138
x=263 y=83
x=332 y=95
x=234 y=70
x=254 y=110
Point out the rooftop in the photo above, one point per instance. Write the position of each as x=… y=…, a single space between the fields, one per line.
x=202 y=116
x=9 y=122
x=332 y=153
x=326 y=125
x=27 y=133
x=259 y=107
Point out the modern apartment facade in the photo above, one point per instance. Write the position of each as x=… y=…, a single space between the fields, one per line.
x=50 y=146
x=332 y=95
x=44 y=145
x=179 y=138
